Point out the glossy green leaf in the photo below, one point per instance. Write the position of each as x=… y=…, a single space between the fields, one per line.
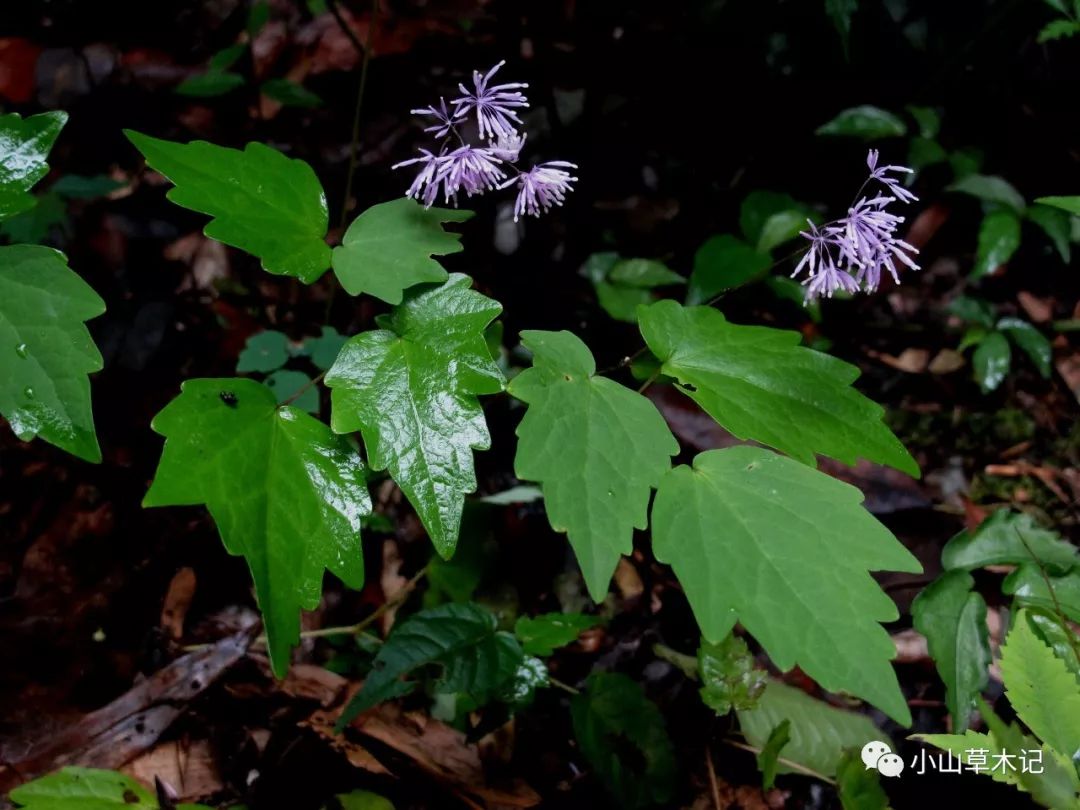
x=325 y=348
x=744 y=522
x=953 y=618
x=1029 y=340
x=541 y=635
x=531 y=675
x=24 y=147
x=48 y=217
x=261 y=201
x=991 y=189
x=972 y=310
x=721 y=263
x=1005 y=538
x=389 y=248
x=264 y=352
x=46 y=350
x=1070 y=204
x=1058 y=29
x=1029 y=588
x=769 y=218
x=211 y=84
x=596 y=448
x=290 y=94
x=760 y=384
x=74 y=788
x=294 y=388
x=992 y=361
x=463 y=639
x=866 y=122
x=729 y=676
x=999 y=237
x=859 y=787
x=411 y=390
x=820 y=733
x=1056 y=224
x=768 y=760
x=645 y=273
x=613 y=718
x=284 y=492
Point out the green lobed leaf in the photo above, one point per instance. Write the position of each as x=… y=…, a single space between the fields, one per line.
x=1004 y=538
x=462 y=638
x=820 y=733
x=264 y=352
x=74 y=788
x=729 y=677
x=284 y=492
x=25 y=144
x=295 y=388
x=411 y=390
x=768 y=218
x=859 y=787
x=519 y=691
x=745 y=522
x=389 y=248
x=595 y=447
x=768 y=759
x=1070 y=204
x=999 y=237
x=325 y=348
x=1058 y=29
x=721 y=263
x=211 y=84
x=1029 y=340
x=46 y=350
x=991 y=189
x=991 y=361
x=645 y=273
x=621 y=301
x=1029 y=589
x=290 y=94
x=866 y=122
x=260 y=200
x=953 y=618
x=760 y=384
x=612 y=717
x=541 y=635
x=1056 y=224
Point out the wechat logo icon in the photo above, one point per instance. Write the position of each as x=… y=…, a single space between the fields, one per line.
x=879 y=756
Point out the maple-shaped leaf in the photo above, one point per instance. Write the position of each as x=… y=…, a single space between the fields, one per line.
x=46 y=350
x=596 y=447
x=284 y=491
x=389 y=248
x=261 y=201
x=760 y=384
x=411 y=390
x=761 y=539
x=24 y=147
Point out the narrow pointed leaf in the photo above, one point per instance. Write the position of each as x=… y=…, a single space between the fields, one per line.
x=390 y=247
x=284 y=491
x=24 y=147
x=411 y=390
x=261 y=201
x=1070 y=204
x=859 y=787
x=991 y=189
x=768 y=759
x=74 y=788
x=596 y=448
x=46 y=350
x=992 y=361
x=760 y=384
x=1057 y=225
x=787 y=551
x=1030 y=341
x=999 y=237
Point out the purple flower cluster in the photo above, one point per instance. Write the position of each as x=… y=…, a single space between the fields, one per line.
x=849 y=254
x=476 y=169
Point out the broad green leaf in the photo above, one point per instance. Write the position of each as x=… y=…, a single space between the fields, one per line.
x=1056 y=224
x=411 y=390
x=35 y=225
x=264 y=352
x=928 y=120
x=1070 y=204
x=81 y=187
x=1044 y=694
x=820 y=733
x=972 y=310
x=613 y=719
x=760 y=384
x=284 y=492
x=859 y=787
x=294 y=388
x=325 y=348
x=721 y=263
x=24 y=147
x=729 y=677
x=1029 y=588
x=46 y=350
x=595 y=447
x=463 y=639
x=866 y=122
x=211 y=84
x=991 y=361
x=646 y=273
x=1029 y=340
x=991 y=189
x=768 y=218
x=621 y=301
x=1005 y=538
x=361 y=800
x=74 y=788
x=541 y=635
x=744 y=522
x=1058 y=29
x=261 y=201
x=389 y=248
x=290 y=94
x=841 y=12
x=768 y=759
x=999 y=237
x=953 y=618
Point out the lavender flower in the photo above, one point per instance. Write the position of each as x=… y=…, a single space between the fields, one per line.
x=425 y=186
x=891 y=183
x=494 y=106
x=542 y=187
x=445 y=117
x=473 y=169
x=508 y=147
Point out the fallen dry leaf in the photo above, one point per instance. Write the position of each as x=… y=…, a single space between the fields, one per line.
x=189 y=769
x=911 y=361
x=1038 y=310
x=177 y=601
x=946 y=361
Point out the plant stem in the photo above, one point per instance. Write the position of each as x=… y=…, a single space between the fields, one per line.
x=687 y=664
x=1062 y=618
x=355 y=141
x=299 y=391
x=564 y=686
